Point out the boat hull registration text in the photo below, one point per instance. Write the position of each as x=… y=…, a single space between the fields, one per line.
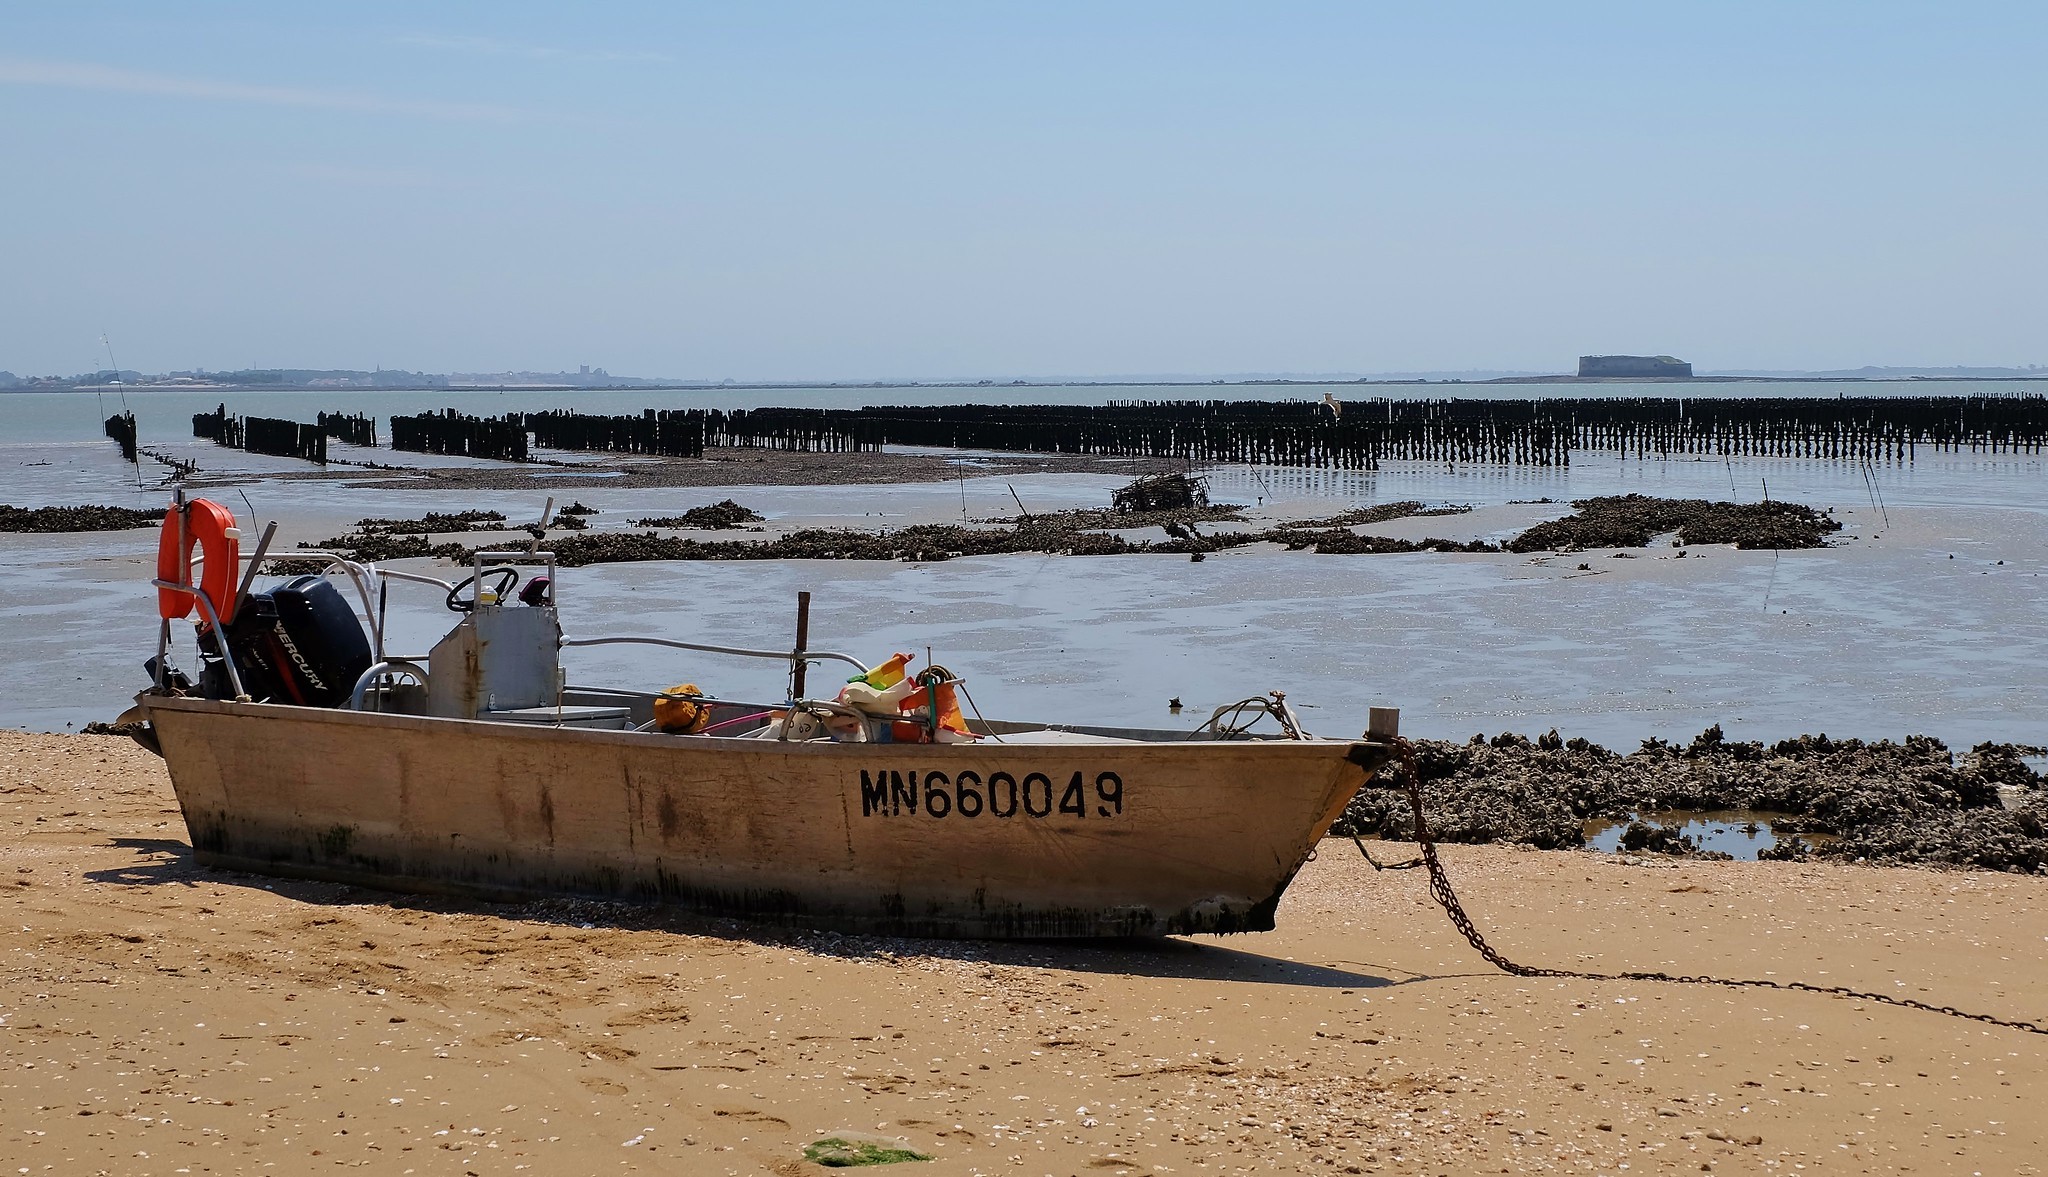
x=966 y=794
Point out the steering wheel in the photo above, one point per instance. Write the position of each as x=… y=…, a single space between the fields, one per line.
x=505 y=576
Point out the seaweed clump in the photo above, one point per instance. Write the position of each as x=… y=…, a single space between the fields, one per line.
x=928 y=542
x=1072 y=533
x=1632 y=521
x=723 y=516
x=396 y=539
x=436 y=522
x=88 y=518
x=1162 y=492
x=836 y=1152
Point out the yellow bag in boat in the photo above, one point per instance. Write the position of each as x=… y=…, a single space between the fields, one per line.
x=678 y=711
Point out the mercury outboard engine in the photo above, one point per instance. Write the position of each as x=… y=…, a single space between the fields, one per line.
x=299 y=643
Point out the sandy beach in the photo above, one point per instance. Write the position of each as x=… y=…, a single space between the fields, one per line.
x=163 y=1019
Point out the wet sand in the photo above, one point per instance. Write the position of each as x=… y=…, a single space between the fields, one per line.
x=164 y=1019
x=720 y=466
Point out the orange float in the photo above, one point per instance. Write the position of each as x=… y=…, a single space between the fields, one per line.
x=938 y=708
x=211 y=528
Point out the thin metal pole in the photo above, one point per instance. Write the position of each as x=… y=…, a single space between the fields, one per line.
x=255 y=563
x=179 y=505
x=781 y=655
x=163 y=650
x=212 y=619
x=803 y=639
x=163 y=638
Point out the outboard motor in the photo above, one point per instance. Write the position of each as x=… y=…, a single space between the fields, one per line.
x=299 y=643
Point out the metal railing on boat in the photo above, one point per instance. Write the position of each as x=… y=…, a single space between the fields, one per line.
x=383 y=669
x=212 y=619
x=735 y=651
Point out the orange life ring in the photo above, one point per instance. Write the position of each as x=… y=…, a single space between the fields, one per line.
x=211 y=527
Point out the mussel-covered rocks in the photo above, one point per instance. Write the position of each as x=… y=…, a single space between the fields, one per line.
x=87 y=518
x=1911 y=800
x=720 y=516
x=1633 y=520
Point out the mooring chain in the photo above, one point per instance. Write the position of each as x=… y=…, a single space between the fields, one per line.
x=1440 y=890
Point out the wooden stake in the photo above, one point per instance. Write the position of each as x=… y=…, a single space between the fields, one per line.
x=803 y=641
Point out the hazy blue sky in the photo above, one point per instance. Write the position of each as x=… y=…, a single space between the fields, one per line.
x=799 y=190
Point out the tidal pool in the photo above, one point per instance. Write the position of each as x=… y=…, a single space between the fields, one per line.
x=1741 y=833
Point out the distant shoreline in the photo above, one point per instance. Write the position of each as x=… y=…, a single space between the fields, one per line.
x=795 y=386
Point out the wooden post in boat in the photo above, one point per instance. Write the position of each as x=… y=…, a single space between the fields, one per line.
x=803 y=641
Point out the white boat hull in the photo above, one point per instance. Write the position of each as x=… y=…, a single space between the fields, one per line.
x=1081 y=838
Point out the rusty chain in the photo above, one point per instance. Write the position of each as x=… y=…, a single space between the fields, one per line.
x=1440 y=890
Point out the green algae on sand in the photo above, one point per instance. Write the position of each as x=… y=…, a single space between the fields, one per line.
x=836 y=1152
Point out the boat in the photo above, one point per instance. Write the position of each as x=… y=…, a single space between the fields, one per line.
x=303 y=748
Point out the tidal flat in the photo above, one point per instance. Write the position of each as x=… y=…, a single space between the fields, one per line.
x=1917 y=618
x=1362 y=1035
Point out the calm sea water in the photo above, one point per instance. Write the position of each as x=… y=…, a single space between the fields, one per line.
x=1924 y=617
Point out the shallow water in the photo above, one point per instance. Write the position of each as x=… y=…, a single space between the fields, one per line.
x=1738 y=832
x=1862 y=641
x=1922 y=618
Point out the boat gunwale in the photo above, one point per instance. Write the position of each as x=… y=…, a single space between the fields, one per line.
x=1314 y=748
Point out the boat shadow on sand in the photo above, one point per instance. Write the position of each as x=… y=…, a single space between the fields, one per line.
x=169 y=862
